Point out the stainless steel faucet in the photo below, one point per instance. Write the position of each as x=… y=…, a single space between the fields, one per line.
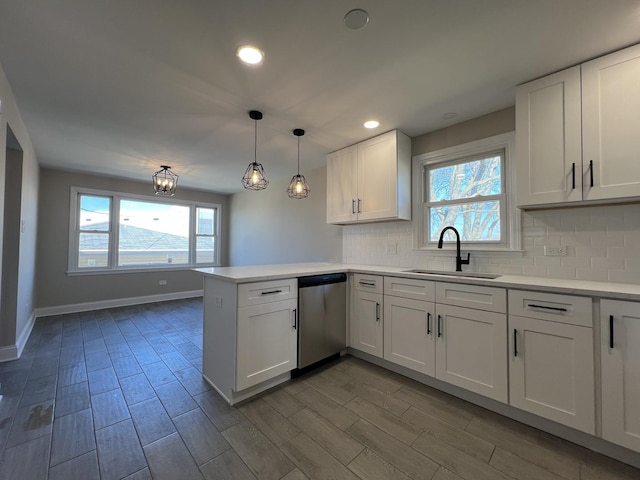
x=459 y=260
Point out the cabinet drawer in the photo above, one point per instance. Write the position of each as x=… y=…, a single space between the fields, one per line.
x=410 y=288
x=266 y=292
x=492 y=299
x=550 y=306
x=368 y=283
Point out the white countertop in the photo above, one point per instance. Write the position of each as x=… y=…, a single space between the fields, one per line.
x=257 y=273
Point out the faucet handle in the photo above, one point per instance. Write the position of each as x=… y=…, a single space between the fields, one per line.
x=466 y=262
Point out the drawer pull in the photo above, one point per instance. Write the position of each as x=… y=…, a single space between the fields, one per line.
x=377 y=312
x=555 y=309
x=295 y=318
x=428 y=323
x=610 y=331
x=353 y=206
x=270 y=292
x=439 y=325
x=367 y=284
x=573 y=175
x=359 y=206
x=515 y=342
x=591 y=171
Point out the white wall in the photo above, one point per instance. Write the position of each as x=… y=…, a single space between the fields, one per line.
x=269 y=227
x=12 y=329
x=603 y=242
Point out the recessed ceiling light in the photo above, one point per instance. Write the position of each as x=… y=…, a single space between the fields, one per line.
x=356 y=19
x=250 y=55
x=371 y=124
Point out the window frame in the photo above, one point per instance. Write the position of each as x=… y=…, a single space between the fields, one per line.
x=114 y=232
x=510 y=214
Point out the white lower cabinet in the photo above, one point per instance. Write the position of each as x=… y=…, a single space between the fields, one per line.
x=551 y=371
x=366 y=325
x=620 y=356
x=471 y=350
x=551 y=367
x=409 y=324
x=267 y=342
x=249 y=335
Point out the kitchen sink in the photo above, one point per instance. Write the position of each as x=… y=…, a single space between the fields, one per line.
x=454 y=274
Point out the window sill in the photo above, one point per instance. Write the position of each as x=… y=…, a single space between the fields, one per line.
x=441 y=252
x=82 y=273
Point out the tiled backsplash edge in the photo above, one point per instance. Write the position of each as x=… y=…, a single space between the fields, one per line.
x=602 y=244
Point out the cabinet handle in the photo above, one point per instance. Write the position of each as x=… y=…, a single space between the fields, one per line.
x=270 y=292
x=428 y=323
x=359 y=206
x=377 y=312
x=295 y=318
x=367 y=284
x=439 y=326
x=591 y=171
x=515 y=342
x=555 y=309
x=573 y=175
x=610 y=331
x=353 y=206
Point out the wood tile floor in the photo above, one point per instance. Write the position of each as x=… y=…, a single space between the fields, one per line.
x=118 y=394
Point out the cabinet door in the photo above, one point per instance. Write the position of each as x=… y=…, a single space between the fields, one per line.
x=611 y=114
x=548 y=133
x=378 y=178
x=266 y=341
x=366 y=323
x=551 y=371
x=620 y=356
x=471 y=350
x=409 y=333
x=342 y=201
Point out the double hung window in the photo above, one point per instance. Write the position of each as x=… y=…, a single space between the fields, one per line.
x=113 y=231
x=467 y=187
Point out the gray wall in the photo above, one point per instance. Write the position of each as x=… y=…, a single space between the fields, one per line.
x=56 y=288
x=269 y=227
x=13 y=329
x=495 y=123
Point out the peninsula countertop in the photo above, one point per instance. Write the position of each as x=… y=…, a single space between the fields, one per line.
x=259 y=273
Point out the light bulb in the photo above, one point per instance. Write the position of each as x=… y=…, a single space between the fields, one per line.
x=298 y=187
x=254 y=176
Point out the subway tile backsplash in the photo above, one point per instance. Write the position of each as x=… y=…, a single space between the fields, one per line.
x=603 y=244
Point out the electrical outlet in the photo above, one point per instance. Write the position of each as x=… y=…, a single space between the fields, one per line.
x=162 y=282
x=218 y=301
x=555 y=251
x=391 y=248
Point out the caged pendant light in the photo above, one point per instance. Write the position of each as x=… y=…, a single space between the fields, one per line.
x=254 y=177
x=165 y=182
x=298 y=187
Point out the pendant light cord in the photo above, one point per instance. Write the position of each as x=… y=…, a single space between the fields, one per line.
x=255 y=141
x=298 y=156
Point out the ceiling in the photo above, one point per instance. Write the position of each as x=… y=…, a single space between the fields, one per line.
x=121 y=87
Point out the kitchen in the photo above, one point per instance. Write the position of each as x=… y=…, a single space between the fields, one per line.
x=600 y=239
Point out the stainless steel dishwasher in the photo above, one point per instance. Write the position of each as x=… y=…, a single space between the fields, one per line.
x=322 y=326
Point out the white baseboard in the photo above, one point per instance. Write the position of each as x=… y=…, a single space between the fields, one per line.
x=118 y=302
x=24 y=335
x=8 y=353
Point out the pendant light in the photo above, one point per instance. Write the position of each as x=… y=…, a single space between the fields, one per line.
x=165 y=182
x=298 y=187
x=254 y=177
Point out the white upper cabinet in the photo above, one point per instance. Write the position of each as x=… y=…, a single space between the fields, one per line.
x=548 y=146
x=370 y=181
x=610 y=118
x=576 y=136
